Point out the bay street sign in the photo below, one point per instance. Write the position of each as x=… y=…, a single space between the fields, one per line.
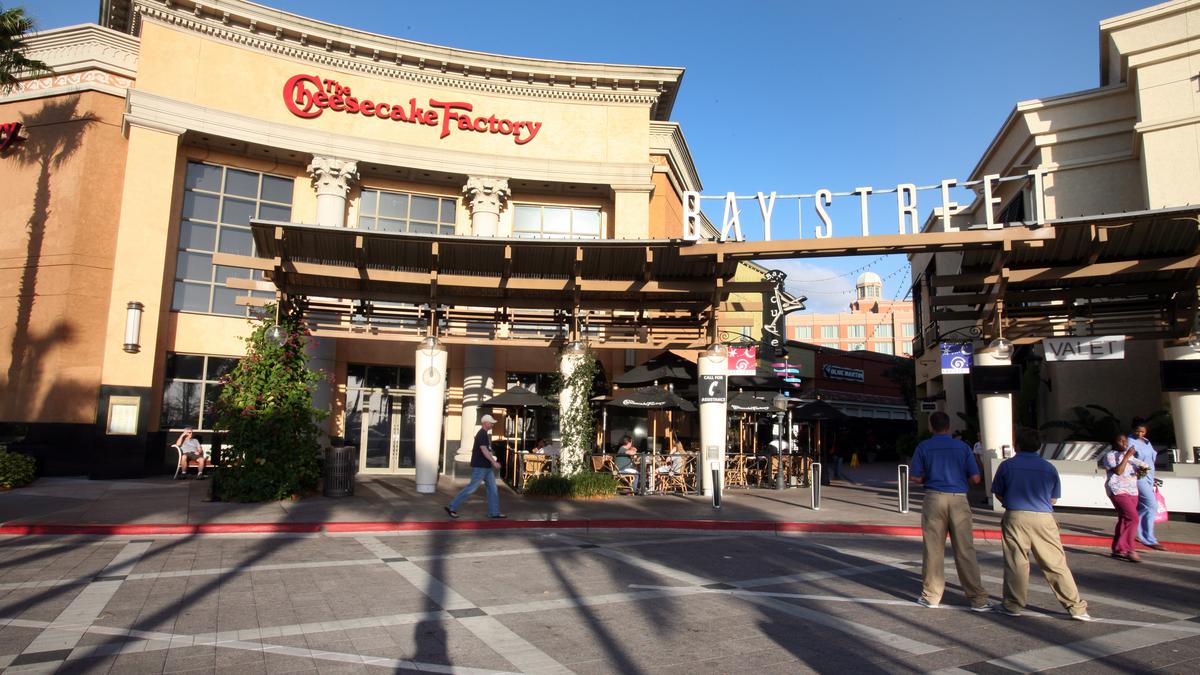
x=1103 y=348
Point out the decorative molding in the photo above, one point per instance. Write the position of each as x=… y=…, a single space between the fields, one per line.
x=145 y=108
x=332 y=176
x=666 y=138
x=486 y=194
x=84 y=48
x=57 y=85
x=248 y=25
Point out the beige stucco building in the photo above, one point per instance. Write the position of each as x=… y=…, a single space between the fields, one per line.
x=1130 y=145
x=148 y=153
x=872 y=323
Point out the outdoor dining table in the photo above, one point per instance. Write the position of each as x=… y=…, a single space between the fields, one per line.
x=648 y=465
x=533 y=463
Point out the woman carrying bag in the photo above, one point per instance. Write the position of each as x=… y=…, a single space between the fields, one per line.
x=1123 y=469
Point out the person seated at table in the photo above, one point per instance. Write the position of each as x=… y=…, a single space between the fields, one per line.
x=550 y=449
x=540 y=446
x=625 y=460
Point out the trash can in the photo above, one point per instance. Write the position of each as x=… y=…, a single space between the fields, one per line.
x=339 y=471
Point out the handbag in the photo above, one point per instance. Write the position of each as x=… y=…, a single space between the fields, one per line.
x=1161 y=516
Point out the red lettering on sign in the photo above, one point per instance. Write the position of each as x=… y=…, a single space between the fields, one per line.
x=309 y=96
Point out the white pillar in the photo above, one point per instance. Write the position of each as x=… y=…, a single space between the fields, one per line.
x=332 y=178
x=713 y=417
x=995 y=421
x=1185 y=407
x=477 y=387
x=430 y=411
x=486 y=197
x=572 y=355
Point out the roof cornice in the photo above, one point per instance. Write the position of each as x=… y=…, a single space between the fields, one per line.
x=85 y=47
x=251 y=25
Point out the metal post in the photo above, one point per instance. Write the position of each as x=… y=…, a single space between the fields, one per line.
x=902 y=485
x=715 y=466
x=816 y=486
x=644 y=474
x=780 y=481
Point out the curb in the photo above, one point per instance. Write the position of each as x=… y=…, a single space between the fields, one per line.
x=479 y=525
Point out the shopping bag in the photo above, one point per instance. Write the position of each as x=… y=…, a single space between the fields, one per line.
x=1161 y=516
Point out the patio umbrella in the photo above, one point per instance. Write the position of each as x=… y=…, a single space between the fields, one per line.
x=517 y=397
x=747 y=402
x=664 y=367
x=818 y=411
x=652 y=398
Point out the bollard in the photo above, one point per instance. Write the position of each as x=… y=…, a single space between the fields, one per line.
x=644 y=474
x=902 y=484
x=816 y=486
x=716 y=483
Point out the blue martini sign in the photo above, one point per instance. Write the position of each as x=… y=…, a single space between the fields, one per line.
x=956 y=358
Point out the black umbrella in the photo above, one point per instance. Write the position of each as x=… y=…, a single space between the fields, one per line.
x=817 y=411
x=748 y=402
x=652 y=398
x=517 y=397
x=664 y=367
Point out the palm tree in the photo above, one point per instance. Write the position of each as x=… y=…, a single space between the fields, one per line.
x=14 y=28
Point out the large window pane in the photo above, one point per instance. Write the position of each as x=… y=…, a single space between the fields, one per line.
x=272 y=212
x=241 y=183
x=226 y=273
x=237 y=212
x=449 y=211
x=193 y=266
x=197 y=235
x=424 y=208
x=356 y=376
x=587 y=222
x=275 y=189
x=225 y=301
x=190 y=297
x=369 y=202
x=218 y=367
x=185 y=367
x=393 y=205
x=198 y=206
x=556 y=220
x=528 y=219
x=203 y=177
x=381 y=376
x=181 y=405
x=236 y=240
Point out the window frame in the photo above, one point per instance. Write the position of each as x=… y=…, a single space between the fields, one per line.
x=204 y=382
x=441 y=226
x=542 y=234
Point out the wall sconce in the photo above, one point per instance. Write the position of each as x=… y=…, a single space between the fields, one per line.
x=133 y=327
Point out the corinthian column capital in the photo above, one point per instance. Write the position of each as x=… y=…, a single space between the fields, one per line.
x=332 y=176
x=486 y=194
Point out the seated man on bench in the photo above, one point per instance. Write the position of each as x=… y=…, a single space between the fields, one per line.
x=190 y=451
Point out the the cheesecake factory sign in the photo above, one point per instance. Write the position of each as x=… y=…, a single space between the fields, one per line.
x=309 y=96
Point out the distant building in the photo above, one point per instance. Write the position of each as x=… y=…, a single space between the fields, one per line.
x=872 y=324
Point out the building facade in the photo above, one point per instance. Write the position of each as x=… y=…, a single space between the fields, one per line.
x=872 y=323
x=152 y=161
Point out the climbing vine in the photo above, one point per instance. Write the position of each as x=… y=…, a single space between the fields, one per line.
x=575 y=420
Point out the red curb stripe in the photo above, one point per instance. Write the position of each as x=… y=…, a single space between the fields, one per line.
x=512 y=524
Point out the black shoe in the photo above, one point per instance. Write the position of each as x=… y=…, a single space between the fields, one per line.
x=498 y=515
x=182 y=476
x=201 y=477
x=453 y=514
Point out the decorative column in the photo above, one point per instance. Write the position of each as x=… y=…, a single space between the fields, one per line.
x=332 y=179
x=1185 y=407
x=477 y=387
x=430 y=413
x=571 y=396
x=995 y=422
x=486 y=197
x=713 y=414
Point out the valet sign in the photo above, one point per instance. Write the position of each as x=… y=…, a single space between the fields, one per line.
x=310 y=96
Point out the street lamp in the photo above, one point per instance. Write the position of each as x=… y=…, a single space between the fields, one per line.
x=780 y=404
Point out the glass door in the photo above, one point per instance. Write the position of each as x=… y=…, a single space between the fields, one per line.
x=381 y=419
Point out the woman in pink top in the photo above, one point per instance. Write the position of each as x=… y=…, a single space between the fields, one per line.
x=1121 y=485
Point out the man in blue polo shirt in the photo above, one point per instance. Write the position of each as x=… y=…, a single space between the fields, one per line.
x=1028 y=486
x=944 y=465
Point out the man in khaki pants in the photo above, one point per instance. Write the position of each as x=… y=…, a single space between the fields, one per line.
x=944 y=465
x=1028 y=486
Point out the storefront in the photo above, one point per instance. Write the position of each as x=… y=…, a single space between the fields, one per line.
x=187 y=175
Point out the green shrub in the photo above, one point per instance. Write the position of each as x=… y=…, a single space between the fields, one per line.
x=16 y=470
x=582 y=484
x=266 y=410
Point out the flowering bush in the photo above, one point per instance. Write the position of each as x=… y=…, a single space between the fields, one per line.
x=270 y=426
x=16 y=470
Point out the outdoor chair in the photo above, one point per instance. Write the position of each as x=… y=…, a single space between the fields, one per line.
x=615 y=465
x=735 y=471
x=191 y=463
x=680 y=474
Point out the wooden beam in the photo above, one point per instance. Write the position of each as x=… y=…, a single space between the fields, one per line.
x=1104 y=269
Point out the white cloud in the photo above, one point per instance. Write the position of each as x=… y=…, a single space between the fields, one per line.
x=828 y=289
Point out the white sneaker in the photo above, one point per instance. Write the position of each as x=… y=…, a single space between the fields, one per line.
x=1001 y=609
x=1082 y=617
x=925 y=603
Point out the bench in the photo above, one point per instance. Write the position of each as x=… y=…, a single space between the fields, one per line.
x=191 y=463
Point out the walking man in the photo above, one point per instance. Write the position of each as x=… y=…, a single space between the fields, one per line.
x=1147 y=501
x=945 y=465
x=1028 y=486
x=483 y=468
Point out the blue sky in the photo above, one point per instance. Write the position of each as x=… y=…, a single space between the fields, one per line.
x=792 y=96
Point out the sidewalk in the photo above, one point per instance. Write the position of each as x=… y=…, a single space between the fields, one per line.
x=867 y=503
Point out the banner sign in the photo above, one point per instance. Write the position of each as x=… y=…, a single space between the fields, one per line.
x=713 y=389
x=743 y=361
x=309 y=96
x=956 y=358
x=840 y=373
x=1105 y=348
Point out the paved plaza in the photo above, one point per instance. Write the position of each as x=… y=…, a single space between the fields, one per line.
x=585 y=601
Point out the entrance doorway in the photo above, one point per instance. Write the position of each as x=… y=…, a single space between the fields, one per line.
x=381 y=418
